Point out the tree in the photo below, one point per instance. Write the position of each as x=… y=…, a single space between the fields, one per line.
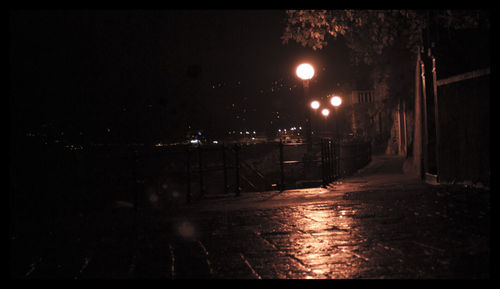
x=389 y=41
x=386 y=40
x=368 y=33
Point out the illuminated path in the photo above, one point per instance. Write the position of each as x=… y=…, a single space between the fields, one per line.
x=379 y=223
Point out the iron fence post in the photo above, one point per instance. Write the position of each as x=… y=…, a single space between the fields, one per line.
x=337 y=159
x=224 y=167
x=282 y=172
x=200 y=169
x=135 y=177
x=323 y=167
x=237 y=163
x=331 y=159
x=188 y=175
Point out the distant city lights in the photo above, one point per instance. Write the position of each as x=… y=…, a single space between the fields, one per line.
x=291 y=130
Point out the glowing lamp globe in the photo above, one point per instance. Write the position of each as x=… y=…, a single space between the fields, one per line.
x=325 y=112
x=305 y=71
x=315 y=104
x=336 y=101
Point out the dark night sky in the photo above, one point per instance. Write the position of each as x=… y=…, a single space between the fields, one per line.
x=157 y=72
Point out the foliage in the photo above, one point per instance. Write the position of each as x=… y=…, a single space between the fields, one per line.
x=387 y=41
x=369 y=32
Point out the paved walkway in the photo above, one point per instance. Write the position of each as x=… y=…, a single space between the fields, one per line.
x=379 y=223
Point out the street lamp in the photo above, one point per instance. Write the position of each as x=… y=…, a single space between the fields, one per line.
x=315 y=104
x=305 y=71
x=325 y=112
x=336 y=101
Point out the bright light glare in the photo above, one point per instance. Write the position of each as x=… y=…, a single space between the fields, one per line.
x=315 y=104
x=336 y=101
x=325 y=112
x=305 y=71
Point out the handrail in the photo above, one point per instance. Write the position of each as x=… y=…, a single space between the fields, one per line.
x=255 y=170
x=257 y=173
x=248 y=182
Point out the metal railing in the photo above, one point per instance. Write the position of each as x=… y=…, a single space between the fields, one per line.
x=94 y=178
x=341 y=158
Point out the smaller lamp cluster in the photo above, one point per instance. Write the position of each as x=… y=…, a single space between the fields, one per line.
x=335 y=101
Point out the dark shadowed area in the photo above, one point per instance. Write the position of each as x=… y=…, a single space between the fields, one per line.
x=183 y=144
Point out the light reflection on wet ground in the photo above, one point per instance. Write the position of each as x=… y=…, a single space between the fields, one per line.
x=323 y=245
x=343 y=238
x=367 y=227
x=313 y=241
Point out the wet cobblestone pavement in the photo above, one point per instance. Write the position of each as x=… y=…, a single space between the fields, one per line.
x=377 y=224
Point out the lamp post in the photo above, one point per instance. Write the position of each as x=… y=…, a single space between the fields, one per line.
x=305 y=71
x=325 y=112
x=336 y=101
x=314 y=105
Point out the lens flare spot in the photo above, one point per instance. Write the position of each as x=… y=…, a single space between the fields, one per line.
x=186 y=230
